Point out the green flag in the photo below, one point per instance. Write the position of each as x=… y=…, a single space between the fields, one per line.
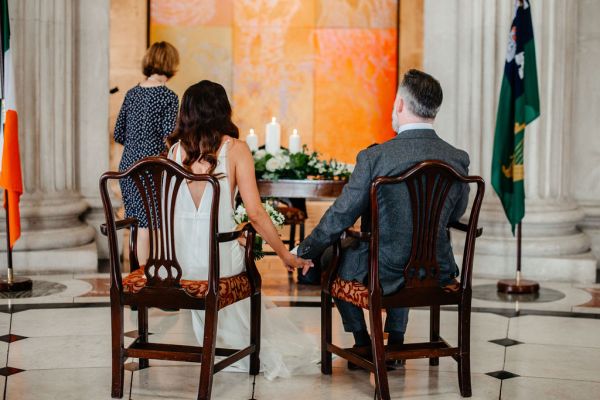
x=519 y=104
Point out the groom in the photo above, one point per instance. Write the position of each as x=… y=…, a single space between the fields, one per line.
x=417 y=102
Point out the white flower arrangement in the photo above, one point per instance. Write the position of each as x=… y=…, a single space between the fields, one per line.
x=303 y=165
x=240 y=216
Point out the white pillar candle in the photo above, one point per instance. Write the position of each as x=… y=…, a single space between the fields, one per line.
x=273 y=137
x=295 y=142
x=252 y=140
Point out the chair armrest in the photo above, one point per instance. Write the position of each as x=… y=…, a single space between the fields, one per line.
x=233 y=235
x=120 y=224
x=464 y=227
x=362 y=236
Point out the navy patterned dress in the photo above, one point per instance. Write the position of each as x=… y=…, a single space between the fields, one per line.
x=147 y=117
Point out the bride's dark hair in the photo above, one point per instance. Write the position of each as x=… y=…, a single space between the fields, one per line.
x=204 y=117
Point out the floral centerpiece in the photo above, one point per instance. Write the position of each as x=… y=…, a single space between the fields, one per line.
x=302 y=165
x=241 y=215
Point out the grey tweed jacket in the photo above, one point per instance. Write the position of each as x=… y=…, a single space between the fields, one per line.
x=388 y=159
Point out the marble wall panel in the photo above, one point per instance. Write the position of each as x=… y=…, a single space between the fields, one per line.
x=355 y=86
x=321 y=66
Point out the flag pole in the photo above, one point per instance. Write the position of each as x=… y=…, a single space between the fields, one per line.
x=518 y=285
x=10 y=284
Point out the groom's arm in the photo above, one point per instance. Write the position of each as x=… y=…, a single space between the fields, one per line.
x=343 y=213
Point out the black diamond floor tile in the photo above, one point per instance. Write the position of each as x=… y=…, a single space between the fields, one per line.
x=8 y=371
x=11 y=338
x=506 y=342
x=502 y=375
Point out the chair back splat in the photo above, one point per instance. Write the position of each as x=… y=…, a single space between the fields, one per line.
x=428 y=185
x=160 y=284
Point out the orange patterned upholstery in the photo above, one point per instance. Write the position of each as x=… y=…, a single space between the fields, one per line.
x=231 y=289
x=356 y=293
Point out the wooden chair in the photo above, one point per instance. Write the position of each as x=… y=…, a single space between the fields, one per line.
x=159 y=283
x=428 y=185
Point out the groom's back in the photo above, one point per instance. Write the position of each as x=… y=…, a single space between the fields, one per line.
x=395 y=213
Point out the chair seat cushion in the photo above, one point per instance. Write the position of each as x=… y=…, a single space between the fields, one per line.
x=356 y=293
x=292 y=215
x=231 y=289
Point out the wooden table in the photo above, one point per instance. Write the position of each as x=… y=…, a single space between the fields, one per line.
x=301 y=189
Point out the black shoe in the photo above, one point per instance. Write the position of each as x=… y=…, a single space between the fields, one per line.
x=368 y=355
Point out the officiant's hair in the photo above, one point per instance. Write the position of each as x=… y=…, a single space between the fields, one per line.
x=204 y=117
x=422 y=93
x=161 y=58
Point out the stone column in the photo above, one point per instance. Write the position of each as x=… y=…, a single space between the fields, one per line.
x=47 y=88
x=92 y=103
x=465 y=45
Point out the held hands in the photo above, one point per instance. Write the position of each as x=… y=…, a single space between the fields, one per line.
x=293 y=262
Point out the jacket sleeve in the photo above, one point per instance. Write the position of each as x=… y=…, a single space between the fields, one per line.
x=343 y=213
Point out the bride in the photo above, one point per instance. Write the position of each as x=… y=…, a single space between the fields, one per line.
x=205 y=141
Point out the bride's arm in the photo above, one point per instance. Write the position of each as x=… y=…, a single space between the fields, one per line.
x=246 y=182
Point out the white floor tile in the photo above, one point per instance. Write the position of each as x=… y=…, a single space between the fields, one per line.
x=3 y=353
x=62 y=321
x=523 y=388
x=4 y=323
x=181 y=382
x=63 y=384
x=556 y=330
x=485 y=357
x=558 y=362
x=356 y=385
x=53 y=352
x=484 y=326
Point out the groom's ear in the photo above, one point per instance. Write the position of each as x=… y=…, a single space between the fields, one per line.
x=400 y=105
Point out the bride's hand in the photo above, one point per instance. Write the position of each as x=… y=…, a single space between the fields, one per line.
x=293 y=262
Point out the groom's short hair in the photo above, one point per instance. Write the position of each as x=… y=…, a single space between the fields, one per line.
x=422 y=93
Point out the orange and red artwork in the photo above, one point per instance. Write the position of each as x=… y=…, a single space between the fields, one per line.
x=325 y=67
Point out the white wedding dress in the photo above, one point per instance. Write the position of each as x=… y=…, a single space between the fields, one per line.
x=285 y=350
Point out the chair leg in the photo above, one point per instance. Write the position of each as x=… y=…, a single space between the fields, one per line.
x=326 y=330
x=301 y=231
x=143 y=332
x=117 y=339
x=292 y=242
x=208 y=352
x=255 y=308
x=464 y=361
x=381 y=378
x=434 y=330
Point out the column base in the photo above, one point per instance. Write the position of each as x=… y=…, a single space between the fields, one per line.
x=77 y=259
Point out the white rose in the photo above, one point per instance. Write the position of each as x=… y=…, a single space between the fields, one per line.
x=258 y=154
x=273 y=164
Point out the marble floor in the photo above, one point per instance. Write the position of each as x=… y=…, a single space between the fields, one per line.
x=57 y=346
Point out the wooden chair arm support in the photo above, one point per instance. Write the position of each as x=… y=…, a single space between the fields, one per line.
x=120 y=224
x=229 y=236
x=362 y=236
x=330 y=271
x=464 y=227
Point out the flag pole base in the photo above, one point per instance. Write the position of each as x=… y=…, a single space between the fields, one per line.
x=16 y=285
x=518 y=286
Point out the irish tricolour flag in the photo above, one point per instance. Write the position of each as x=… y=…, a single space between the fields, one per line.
x=10 y=173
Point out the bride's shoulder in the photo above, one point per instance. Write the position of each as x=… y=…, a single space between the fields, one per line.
x=237 y=146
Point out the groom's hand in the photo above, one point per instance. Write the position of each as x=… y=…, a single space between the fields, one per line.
x=293 y=262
